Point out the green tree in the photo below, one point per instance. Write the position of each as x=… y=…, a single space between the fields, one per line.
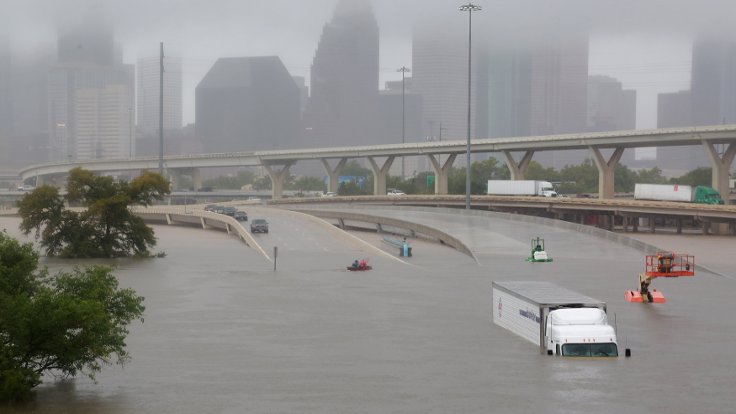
x=262 y=183
x=698 y=176
x=480 y=173
x=581 y=178
x=307 y=184
x=351 y=188
x=106 y=228
x=354 y=168
x=537 y=172
x=623 y=178
x=231 y=182
x=73 y=323
x=652 y=176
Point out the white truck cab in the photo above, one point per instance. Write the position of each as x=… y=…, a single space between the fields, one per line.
x=580 y=332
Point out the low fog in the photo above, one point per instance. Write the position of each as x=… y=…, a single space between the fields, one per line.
x=644 y=44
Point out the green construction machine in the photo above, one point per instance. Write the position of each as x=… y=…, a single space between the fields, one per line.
x=538 y=253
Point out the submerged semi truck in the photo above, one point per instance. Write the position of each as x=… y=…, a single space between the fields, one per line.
x=558 y=320
x=674 y=192
x=521 y=188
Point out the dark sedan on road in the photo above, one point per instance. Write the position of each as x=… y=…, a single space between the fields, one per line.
x=259 y=226
x=240 y=215
x=229 y=211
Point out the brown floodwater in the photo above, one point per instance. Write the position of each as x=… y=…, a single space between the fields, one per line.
x=225 y=333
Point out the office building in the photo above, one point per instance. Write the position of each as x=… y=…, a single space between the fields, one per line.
x=6 y=116
x=397 y=124
x=713 y=84
x=91 y=94
x=90 y=112
x=504 y=93
x=342 y=108
x=610 y=107
x=440 y=76
x=674 y=109
x=149 y=94
x=247 y=104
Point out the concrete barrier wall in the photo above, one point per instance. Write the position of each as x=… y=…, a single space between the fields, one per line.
x=206 y=219
x=430 y=232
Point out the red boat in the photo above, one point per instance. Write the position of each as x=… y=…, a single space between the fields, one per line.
x=359 y=268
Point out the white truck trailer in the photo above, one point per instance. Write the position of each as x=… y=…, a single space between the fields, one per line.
x=675 y=192
x=521 y=188
x=558 y=320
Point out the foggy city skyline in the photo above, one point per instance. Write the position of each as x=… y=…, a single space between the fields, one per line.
x=647 y=47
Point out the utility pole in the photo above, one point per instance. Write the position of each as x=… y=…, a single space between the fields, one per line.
x=130 y=132
x=161 y=114
x=403 y=71
x=470 y=8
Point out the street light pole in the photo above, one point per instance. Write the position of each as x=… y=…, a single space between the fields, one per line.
x=470 y=8
x=130 y=132
x=403 y=71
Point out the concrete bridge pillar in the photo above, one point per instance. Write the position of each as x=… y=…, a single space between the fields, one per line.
x=721 y=166
x=379 y=174
x=175 y=179
x=334 y=173
x=605 y=170
x=441 y=172
x=518 y=171
x=277 y=175
x=196 y=179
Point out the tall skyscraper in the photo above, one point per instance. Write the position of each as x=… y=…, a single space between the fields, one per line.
x=90 y=112
x=440 y=76
x=713 y=82
x=247 y=104
x=5 y=100
x=610 y=107
x=342 y=108
x=559 y=83
x=149 y=94
x=674 y=109
x=504 y=93
x=710 y=101
x=91 y=94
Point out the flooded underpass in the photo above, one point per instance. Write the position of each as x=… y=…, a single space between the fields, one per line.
x=225 y=333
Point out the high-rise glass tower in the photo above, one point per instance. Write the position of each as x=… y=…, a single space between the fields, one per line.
x=344 y=79
x=91 y=94
x=714 y=82
x=149 y=93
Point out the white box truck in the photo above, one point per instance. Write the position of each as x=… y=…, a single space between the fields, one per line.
x=521 y=188
x=675 y=192
x=558 y=320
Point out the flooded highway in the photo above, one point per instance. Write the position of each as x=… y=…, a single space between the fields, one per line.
x=225 y=333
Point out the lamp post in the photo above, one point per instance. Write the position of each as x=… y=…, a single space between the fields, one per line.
x=470 y=8
x=403 y=71
x=130 y=132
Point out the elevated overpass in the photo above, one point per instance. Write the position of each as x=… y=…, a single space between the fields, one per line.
x=602 y=213
x=606 y=149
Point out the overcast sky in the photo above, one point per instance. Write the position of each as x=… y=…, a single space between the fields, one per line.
x=643 y=43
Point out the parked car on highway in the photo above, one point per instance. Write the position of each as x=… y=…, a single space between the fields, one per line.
x=240 y=215
x=259 y=226
x=395 y=192
x=229 y=211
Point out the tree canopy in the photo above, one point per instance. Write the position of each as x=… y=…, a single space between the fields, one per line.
x=73 y=323
x=105 y=228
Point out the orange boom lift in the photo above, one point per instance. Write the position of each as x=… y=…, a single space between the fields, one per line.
x=662 y=264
